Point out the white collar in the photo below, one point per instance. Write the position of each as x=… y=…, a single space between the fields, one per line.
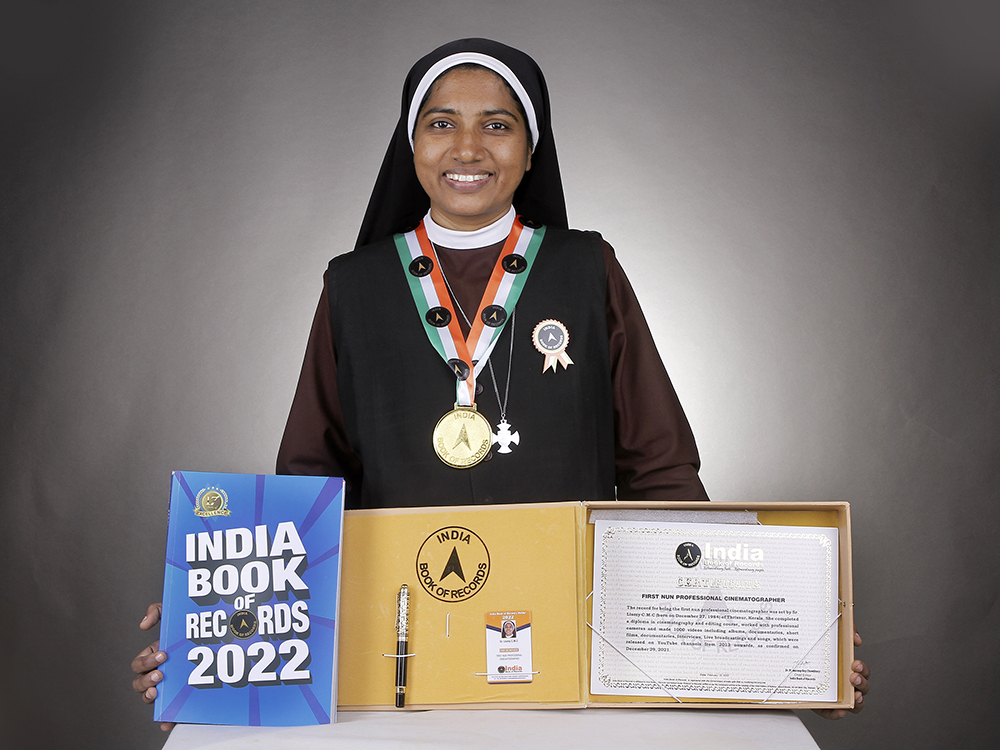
x=488 y=235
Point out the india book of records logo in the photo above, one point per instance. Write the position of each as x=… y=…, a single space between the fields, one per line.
x=453 y=564
x=243 y=623
x=688 y=554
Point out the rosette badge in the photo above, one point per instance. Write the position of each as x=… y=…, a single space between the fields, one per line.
x=551 y=339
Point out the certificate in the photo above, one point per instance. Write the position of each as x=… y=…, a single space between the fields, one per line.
x=715 y=611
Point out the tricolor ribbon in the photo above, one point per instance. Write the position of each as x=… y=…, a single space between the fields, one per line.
x=430 y=292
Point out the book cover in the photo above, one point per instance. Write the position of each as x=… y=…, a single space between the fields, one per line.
x=251 y=600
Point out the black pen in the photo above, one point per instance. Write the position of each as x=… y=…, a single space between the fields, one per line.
x=402 y=614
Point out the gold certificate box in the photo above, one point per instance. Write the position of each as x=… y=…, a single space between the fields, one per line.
x=462 y=562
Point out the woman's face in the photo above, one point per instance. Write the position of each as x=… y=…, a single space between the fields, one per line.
x=470 y=149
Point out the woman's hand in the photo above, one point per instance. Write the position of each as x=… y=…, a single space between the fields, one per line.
x=146 y=663
x=859 y=678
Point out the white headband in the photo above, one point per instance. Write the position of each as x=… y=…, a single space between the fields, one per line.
x=479 y=59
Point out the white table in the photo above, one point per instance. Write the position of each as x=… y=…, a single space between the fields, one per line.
x=683 y=729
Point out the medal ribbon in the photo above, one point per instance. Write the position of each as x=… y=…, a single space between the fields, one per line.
x=503 y=289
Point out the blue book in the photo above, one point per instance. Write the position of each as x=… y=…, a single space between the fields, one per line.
x=251 y=593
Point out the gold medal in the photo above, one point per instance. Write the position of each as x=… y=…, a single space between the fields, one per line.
x=462 y=437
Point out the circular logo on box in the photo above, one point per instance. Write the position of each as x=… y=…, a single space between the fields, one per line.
x=453 y=564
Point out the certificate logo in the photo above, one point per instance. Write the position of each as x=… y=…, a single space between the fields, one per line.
x=211 y=501
x=453 y=564
x=688 y=554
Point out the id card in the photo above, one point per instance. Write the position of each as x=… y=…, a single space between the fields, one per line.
x=508 y=647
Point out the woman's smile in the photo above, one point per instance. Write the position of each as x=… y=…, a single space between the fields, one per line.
x=467 y=178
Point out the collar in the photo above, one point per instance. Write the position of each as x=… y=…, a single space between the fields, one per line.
x=488 y=235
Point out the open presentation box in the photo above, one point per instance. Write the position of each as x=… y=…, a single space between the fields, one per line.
x=536 y=558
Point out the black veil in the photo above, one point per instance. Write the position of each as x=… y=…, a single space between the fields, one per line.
x=398 y=202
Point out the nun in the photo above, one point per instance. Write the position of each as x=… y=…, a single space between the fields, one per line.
x=473 y=349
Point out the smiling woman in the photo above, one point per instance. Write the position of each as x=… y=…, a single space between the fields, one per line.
x=465 y=239
x=470 y=148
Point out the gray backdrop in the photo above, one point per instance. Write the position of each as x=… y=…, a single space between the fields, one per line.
x=805 y=196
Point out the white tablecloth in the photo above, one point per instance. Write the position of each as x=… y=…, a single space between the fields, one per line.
x=683 y=729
